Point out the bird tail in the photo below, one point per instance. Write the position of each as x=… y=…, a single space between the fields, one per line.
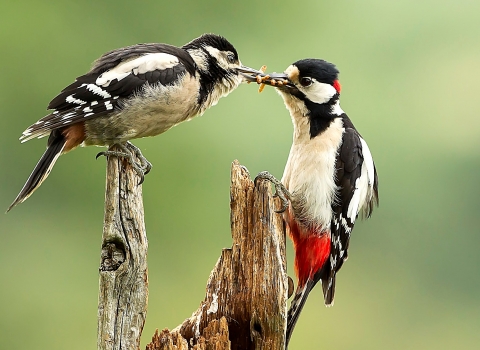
x=56 y=144
x=297 y=305
x=328 y=286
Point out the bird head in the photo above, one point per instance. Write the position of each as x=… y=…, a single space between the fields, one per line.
x=310 y=79
x=217 y=60
x=218 y=67
x=310 y=88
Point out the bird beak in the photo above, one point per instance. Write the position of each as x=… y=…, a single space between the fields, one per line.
x=248 y=70
x=248 y=73
x=272 y=79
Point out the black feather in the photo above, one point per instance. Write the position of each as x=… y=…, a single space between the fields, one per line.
x=320 y=114
x=215 y=72
x=296 y=307
x=348 y=169
x=93 y=96
x=56 y=143
x=213 y=40
x=115 y=57
x=322 y=71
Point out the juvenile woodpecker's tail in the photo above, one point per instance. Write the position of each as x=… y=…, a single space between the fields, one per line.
x=56 y=144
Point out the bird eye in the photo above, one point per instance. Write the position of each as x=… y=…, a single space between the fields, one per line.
x=306 y=82
x=231 y=58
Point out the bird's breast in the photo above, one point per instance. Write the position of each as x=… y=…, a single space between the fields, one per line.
x=150 y=112
x=310 y=176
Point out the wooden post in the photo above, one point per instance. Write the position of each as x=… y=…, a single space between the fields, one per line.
x=122 y=300
x=245 y=306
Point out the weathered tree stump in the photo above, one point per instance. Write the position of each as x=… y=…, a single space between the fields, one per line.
x=245 y=306
x=123 y=295
x=246 y=297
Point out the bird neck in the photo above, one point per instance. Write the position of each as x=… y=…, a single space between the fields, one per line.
x=322 y=115
x=215 y=82
x=310 y=119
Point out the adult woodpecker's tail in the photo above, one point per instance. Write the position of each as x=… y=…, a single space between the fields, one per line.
x=56 y=144
x=297 y=305
x=328 y=284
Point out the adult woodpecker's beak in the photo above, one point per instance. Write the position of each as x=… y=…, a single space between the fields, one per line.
x=272 y=79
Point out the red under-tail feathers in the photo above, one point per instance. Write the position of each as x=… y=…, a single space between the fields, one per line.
x=312 y=250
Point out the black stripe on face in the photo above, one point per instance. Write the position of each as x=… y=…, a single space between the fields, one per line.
x=212 y=76
x=320 y=115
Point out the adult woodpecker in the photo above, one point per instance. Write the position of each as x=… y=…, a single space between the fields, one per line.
x=330 y=177
x=132 y=92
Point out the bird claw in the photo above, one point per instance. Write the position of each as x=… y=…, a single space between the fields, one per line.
x=142 y=167
x=280 y=189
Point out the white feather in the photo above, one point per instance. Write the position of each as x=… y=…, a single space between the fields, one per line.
x=337 y=110
x=71 y=99
x=310 y=171
x=139 y=65
x=97 y=90
x=368 y=160
x=319 y=92
x=363 y=185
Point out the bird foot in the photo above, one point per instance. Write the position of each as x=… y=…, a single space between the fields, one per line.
x=128 y=150
x=280 y=189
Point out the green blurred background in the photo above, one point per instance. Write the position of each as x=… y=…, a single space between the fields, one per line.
x=409 y=71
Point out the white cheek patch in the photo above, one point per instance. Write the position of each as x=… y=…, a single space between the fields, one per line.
x=319 y=92
x=337 y=110
x=219 y=56
x=198 y=56
x=212 y=51
x=140 y=65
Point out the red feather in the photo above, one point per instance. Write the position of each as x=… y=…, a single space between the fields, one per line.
x=337 y=86
x=312 y=249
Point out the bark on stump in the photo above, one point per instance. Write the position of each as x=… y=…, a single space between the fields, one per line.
x=123 y=295
x=246 y=297
x=245 y=306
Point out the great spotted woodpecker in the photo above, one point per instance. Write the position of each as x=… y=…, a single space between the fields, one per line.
x=330 y=177
x=132 y=92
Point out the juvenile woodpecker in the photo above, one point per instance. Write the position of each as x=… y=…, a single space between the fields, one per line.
x=133 y=92
x=330 y=177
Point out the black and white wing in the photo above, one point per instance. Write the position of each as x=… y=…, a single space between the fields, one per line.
x=115 y=76
x=357 y=182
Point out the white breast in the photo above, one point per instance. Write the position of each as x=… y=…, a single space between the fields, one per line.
x=310 y=171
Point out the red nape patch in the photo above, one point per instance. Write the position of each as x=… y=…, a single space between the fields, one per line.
x=312 y=250
x=337 y=86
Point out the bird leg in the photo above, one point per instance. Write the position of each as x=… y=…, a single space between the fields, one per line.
x=128 y=150
x=280 y=189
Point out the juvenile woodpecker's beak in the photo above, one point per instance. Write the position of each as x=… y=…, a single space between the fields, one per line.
x=248 y=73
x=245 y=69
